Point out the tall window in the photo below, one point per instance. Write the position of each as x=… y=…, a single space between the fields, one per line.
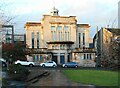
x=83 y=38
x=41 y=58
x=59 y=36
x=52 y=46
x=37 y=39
x=66 y=27
x=84 y=56
x=8 y=39
x=90 y=57
x=53 y=33
x=62 y=37
x=65 y=36
x=37 y=57
x=32 y=39
x=79 y=39
x=59 y=27
x=68 y=36
x=87 y=56
x=55 y=36
x=52 y=28
x=61 y=47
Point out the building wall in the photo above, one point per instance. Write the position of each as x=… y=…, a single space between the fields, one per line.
x=21 y=38
x=102 y=42
x=34 y=29
x=45 y=30
x=46 y=35
x=105 y=42
x=82 y=29
x=56 y=31
x=56 y=21
x=85 y=59
x=8 y=33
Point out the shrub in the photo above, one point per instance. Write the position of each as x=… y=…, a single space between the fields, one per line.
x=17 y=72
x=4 y=82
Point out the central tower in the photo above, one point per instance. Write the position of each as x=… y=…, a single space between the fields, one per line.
x=54 y=12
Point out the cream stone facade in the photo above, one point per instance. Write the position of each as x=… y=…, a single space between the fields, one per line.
x=83 y=55
x=82 y=35
x=102 y=41
x=55 y=37
x=51 y=28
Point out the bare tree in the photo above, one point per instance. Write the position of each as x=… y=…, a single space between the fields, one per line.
x=5 y=19
x=5 y=14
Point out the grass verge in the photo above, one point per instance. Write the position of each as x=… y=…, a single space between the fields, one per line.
x=96 y=77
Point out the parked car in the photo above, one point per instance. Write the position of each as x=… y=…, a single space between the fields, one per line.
x=70 y=64
x=26 y=63
x=48 y=64
x=3 y=62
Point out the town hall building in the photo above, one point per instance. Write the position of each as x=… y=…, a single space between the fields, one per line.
x=58 y=38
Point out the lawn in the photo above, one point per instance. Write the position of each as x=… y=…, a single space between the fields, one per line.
x=96 y=77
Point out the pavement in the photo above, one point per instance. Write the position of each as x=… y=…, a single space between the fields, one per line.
x=52 y=78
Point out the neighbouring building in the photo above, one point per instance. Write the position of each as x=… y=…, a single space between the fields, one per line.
x=7 y=33
x=9 y=41
x=102 y=42
x=57 y=38
x=83 y=54
x=20 y=38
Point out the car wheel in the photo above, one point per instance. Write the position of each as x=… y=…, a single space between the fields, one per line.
x=76 y=66
x=54 y=66
x=43 y=65
x=65 y=66
x=3 y=65
x=31 y=65
x=19 y=64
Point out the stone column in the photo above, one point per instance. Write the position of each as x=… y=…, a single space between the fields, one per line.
x=66 y=58
x=72 y=58
x=58 y=58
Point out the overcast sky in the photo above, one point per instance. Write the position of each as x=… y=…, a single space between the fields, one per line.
x=94 y=12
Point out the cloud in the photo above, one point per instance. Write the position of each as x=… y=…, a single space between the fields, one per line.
x=94 y=12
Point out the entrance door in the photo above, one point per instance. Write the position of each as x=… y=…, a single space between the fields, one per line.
x=62 y=61
x=68 y=58
x=54 y=58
